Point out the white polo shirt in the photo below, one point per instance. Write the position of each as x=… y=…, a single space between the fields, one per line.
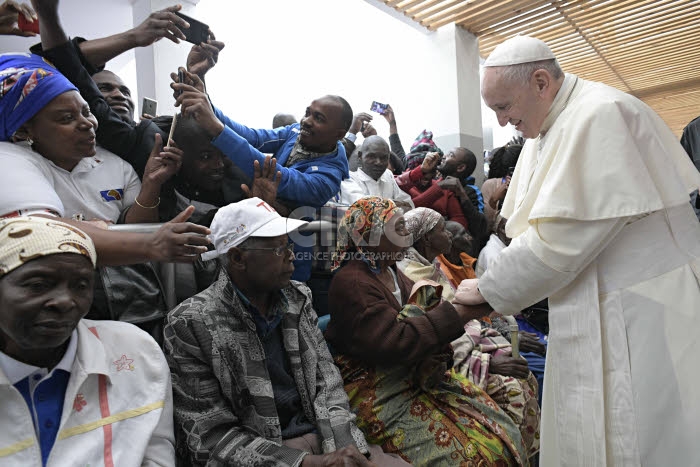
x=24 y=186
x=98 y=187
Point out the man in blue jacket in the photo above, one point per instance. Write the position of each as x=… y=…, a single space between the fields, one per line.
x=309 y=155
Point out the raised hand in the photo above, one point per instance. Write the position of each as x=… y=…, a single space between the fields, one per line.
x=389 y=115
x=10 y=11
x=430 y=163
x=162 y=163
x=266 y=180
x=160 y=24
x=195 y=104
x=368 y=131
x=358 y=121
x=190 y=78
x=203 y=57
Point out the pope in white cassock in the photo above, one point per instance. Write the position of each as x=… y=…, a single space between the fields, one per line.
x=599 y=213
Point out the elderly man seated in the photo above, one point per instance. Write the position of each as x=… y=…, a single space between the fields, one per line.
x=254 y=383
x=373 y=178
x=76 y=391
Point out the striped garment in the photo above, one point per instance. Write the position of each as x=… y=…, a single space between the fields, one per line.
x=224 y=404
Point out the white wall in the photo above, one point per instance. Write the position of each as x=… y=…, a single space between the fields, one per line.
x=89 y=19
x=280 y=55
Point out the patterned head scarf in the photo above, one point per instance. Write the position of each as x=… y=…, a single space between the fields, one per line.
x=420 y=221
x=27 y=84
x=424 y=143
x=369 y=214
x=23 y=239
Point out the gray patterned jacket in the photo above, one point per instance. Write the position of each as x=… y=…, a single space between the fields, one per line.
x=224 y=405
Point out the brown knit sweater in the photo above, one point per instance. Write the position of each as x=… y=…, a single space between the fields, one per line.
x=363 y=321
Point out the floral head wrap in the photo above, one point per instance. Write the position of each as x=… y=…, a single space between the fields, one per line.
x=27 y=84
x=369 y=214
x=23 y=239
x=420 y=221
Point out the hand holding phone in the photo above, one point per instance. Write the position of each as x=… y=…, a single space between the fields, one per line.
x=24 y=25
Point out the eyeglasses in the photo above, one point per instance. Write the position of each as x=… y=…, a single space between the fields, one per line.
x=279 y=251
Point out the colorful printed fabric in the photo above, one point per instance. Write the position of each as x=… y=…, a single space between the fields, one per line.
x=518 y=398
x=454 y=424
x=27 y=84
x=362 y=225
x=420 y=221
x=424 y=143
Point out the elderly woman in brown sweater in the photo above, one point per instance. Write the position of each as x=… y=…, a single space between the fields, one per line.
x=385 y=354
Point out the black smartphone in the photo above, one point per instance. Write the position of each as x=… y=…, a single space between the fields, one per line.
x=197 y=33
x=180 y=79
x=378 y=107
x=510 y=171
x=149 y=107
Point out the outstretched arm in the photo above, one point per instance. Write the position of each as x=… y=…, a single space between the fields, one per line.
x=159 y=24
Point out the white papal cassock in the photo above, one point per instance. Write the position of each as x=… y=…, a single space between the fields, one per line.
x=599 y=213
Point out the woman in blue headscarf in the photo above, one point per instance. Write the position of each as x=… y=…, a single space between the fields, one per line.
x=45 y=124
x=50 y=124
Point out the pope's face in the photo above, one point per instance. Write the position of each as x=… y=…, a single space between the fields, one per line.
x=521 y=105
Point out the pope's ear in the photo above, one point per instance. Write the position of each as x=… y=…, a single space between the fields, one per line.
x=542 y=80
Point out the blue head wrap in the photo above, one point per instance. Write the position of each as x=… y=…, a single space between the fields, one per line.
x=27 y=84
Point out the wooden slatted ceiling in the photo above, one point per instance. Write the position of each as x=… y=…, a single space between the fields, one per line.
x=649 y=48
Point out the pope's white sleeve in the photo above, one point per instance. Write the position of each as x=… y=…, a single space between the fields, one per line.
x=547 y=257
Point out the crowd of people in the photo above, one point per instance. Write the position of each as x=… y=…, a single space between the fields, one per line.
x=299 y=299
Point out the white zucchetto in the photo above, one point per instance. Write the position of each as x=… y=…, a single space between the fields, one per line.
x=519 y=49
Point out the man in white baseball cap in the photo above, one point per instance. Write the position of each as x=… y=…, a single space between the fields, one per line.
x=253 y=381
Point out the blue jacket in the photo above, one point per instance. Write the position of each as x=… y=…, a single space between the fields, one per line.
x=306 y=183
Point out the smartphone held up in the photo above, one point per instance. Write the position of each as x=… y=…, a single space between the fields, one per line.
x=149 y=107
x=378 y=107
x=197 y=33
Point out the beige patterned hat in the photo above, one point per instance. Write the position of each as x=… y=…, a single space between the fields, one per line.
x=23 y=239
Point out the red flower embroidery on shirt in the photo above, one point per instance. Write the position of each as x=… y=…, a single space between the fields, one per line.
x=124 y=363
x=79 y=403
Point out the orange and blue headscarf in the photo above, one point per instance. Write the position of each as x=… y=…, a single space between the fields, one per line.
x=368 y=215
x=27 y=84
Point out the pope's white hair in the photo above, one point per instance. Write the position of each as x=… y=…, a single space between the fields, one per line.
x=522 y=72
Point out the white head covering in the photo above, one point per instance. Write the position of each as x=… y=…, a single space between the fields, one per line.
x=519 y=49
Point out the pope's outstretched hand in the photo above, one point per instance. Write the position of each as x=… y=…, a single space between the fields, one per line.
x=468 y=293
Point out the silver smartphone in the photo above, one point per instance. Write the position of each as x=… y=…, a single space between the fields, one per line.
x=149 y=107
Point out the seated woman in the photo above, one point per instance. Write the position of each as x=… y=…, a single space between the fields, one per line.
x=75 y=391
x=452 y=422
x=481 y=354
x=55 y=131
x=430 y=240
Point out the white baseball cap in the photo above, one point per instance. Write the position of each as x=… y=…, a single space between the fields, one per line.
x=252 y=217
